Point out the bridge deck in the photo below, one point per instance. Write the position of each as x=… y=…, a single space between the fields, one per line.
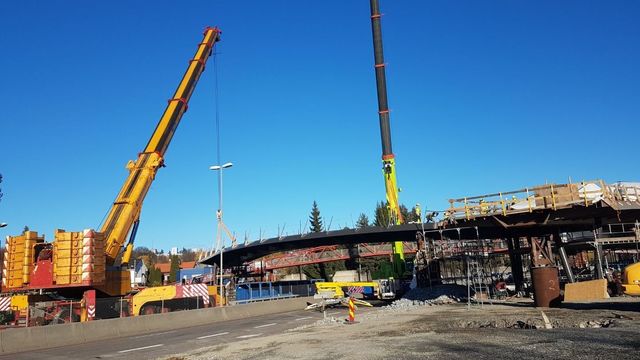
x=543 y=210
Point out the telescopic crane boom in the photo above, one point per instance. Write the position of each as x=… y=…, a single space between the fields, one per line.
x=388 y=159
x=125 y=210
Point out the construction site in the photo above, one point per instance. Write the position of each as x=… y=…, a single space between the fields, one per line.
x=547 y=270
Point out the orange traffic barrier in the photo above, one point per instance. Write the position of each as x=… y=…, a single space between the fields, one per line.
x=352 y=312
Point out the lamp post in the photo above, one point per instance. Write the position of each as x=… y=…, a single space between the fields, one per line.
x=3 y=225
x=219 y=240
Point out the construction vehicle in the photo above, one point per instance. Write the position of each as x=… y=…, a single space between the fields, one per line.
x=631 y=279
x=78 y=266
x=383 y=289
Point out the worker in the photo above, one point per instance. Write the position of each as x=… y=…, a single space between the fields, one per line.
x=418 y=212
x=484 y=208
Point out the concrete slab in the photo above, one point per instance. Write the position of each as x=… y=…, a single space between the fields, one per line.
x=586 y=290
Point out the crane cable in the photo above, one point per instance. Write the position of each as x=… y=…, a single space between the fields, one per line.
x=218 y=156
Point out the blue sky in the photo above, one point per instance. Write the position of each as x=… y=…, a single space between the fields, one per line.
x=485 y=96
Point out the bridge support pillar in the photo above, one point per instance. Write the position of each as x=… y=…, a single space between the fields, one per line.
x=515 y=258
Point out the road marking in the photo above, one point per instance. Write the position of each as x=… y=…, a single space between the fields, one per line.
x=333 y=313
x=141 y=348
x=212 y=335
x=248 y=336
x=265 y=325
x=156 y=334
x=303 y=318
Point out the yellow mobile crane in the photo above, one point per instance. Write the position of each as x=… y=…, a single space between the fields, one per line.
x=89 y=261
x=388 y=159
x=382 y=288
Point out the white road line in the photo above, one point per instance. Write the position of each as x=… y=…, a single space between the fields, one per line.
x=156 y=334
x=140 y=348
x=304 y=318
x=333 y=313
x=212 y=335
x=265 y=325
x=248 y=336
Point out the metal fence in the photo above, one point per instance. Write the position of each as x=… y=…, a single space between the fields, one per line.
x=263 y=291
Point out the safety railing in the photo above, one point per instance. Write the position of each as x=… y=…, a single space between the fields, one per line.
x=550 y=196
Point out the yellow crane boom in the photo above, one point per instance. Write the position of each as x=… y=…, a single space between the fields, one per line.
x=125 y=210
x=82 y=259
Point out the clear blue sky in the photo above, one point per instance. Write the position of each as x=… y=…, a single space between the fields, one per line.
x=485 y=95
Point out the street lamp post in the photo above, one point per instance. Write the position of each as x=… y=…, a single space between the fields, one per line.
x=219 y=239
x=3 y=225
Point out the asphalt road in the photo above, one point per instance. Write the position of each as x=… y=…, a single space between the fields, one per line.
x=153 y=345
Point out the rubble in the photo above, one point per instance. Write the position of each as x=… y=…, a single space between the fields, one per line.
x=456 y=292
x=437 y=295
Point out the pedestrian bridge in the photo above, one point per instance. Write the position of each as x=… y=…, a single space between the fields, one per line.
x=529 y=212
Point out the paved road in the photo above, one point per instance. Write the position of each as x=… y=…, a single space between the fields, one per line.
x=154 y=345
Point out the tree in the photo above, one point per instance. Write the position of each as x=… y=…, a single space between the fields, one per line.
x=405 y=213
x=363 y=221
x=187 y=255
x=382 y=216
x=175 y=267
x=141 y=251
x=315 y=220
x=155 y=276
x=163 y=259
x=322 y=270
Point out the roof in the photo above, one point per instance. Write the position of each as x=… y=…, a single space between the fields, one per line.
x=164 y=267
x=187 y=265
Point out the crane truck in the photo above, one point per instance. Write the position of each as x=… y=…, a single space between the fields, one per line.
x=80 y=266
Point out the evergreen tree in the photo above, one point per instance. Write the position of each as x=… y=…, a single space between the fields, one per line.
x=315 y=220
x=406 y=216
x=175 y=267
x=363 y=221
x=155 y=276
x=382 y=217
x=322 y=270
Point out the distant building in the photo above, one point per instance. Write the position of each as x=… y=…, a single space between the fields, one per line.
x=165 y=269
x=188 y=270
x=139 y=274
x=174 y=251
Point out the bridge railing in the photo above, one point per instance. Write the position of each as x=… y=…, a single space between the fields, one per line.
x=550 y=196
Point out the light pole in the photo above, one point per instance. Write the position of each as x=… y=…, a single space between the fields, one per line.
x=3 y=225
x=219 y=240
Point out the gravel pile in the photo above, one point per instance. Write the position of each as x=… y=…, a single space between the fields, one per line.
x=456 y=292
x=437 y=295
x=407 y=304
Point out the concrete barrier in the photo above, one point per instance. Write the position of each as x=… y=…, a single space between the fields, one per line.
x=42 y=337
